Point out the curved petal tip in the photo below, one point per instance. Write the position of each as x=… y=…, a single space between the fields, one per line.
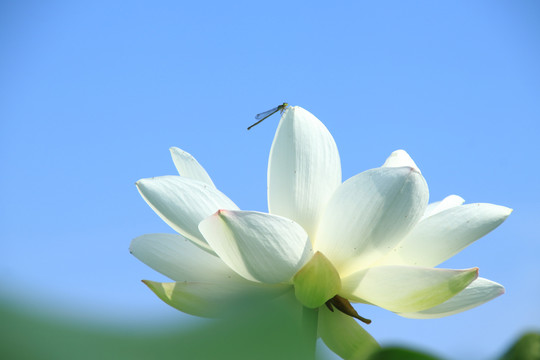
x=400 y=158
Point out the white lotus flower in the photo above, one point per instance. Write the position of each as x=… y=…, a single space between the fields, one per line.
x=372 y=239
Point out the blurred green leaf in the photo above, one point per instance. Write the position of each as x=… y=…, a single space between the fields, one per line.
x=254 y=333
x=526 y=348
x=395 y=353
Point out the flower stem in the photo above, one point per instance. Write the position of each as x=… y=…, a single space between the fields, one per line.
x=310 y=320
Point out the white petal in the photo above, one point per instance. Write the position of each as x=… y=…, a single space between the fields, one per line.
x=212 y=299
x=369 y=214
x=179 y=259
x=304 y=168
x=344 y=336
x=447 y=203
x=446 y=233
x=478 y=292
x=405 y=288
x=258 y=246
x=188 y=167
x=183 y=203
x=400 y=158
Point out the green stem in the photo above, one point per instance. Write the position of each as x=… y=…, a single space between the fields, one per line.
x=310 y=320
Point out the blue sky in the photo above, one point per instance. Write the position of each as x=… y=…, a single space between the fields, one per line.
x=92 y=95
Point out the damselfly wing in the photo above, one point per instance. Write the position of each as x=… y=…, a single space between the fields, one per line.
x=269 y=113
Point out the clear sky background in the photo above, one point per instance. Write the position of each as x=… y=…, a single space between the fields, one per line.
x=93 y=93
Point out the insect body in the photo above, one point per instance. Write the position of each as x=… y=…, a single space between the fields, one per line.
x=269 y=113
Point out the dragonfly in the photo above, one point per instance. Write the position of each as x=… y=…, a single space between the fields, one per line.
x=269 y=113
